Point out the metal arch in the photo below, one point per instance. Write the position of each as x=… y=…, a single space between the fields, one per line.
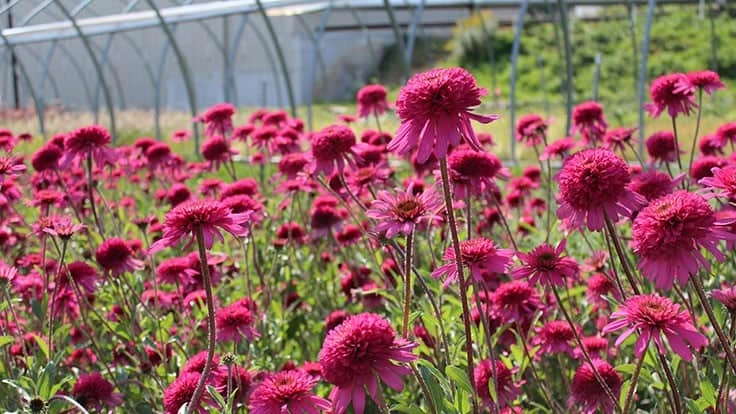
x=101 y=76
x=230 y=73
x=116 y=80
x=491 y=54
x=184 y=68
x=363 y=30
x=416 y=22
x=514 y=64
x=568 y=63
x=316 y=40
x=274 y=68
x=397 y=35
x=29 y=85
x=280 y=55
x=643 y=72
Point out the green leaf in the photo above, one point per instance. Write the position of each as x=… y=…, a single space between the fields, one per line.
x=43 y=345
x=4 y=340
x=460 y=378
x=708 y=392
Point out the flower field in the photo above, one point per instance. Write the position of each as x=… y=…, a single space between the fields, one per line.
x=401 y=267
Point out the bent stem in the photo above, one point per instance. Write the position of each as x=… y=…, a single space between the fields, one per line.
x=586 y=355
x=407 y=281
x=460 y=275
x=634 y=379
x=725 y=343
x=197 y=395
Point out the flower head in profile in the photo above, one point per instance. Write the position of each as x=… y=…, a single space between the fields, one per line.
x=235 y=322
x=588 y=119
x=506 y=388
x=554 y=337
x=400 y=213
x=515 y=302
x=372 y=101
x=435 y=112
x=332 y=148
x=217 y=150
x=617 y=139
x=218 y=119
x=94 y=391
x=727 y=296
x=115 y=256
x=586 y=393
x=211 y=216
x=726 y=133
x=673 y=93
x=480 y=255
x=547 y=265
x=655 y=317
x=723 y=181
x=710 y=144
x=705 y=80
x=558 y=149
x=653 y=184
x=181 y=135
x=11 y=166
x=90 y=142
x=668 y=234
x=287 y=391
x=180 y=392
x=661 y=147
x=357 y=354
x=531 y=129
x=594 y=185
x=46 y=158
x=473 y=172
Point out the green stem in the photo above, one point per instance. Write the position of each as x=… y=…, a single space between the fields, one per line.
x=634 y=378
x=697 y=130
x=407 y=281
x=725 y=343
x=677 y=145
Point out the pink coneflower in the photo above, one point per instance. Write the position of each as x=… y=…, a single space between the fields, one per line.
x=703 y=166
x=723 y=181
x=400 y=213
x=661 y=147
x=667 y=236
x=245 y=186
x=324 y=219
x=181 y=135
x=554 y=337
x=653 y=184
x=291 y=232
x=177 y=194
x=711 y=145
x=546 y=264
x=673 y=93
x=480 y=255
x=83 y=275
x=7 y=275
x=515 y=301
x=593 y=185
x=235 y=322
x=218 y=119
x=290 y=165
x=472 y=172
x=586 y=393
x=264 y=136
x=653 y=316
x=372 y=101
x=180 y=392
x=727 y=296
x=94 y=391
x=558 y=149
x=216 y=151
x=11 y=166
x=90 y=141
x=242 y=132
x=175 y=270
x=158 y=155
x=184 y=220
x=331 y=149
x=46 y=158
x=600 y=285
x=531 y=129
x=588 y=119
x=358 y=353
x=115 y=256
x=506 y=388
x=726 y=133
x=617 y=139
x=434 y=109
x=596 y=346
x=707 y=80
x=287 y=392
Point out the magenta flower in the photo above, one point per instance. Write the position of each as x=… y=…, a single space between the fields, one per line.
x=546 y=264
x=11 y=166
x=554 y=337
x=331 y=149
x=726 y=133
x=531 y=129
x=480 y=255
x=94 y=391
x=515 y=301
x=727 y=296
x=90 y=141
x=216 y=151
x=507 y=389
x=358 y=353
x=674 y=93
x=400 y=213
x=654 y=316
x=558 y=149
x=211 y=216
x=180 y=392
x=668 y=234
x=586 y=393
x=723 y=181
x=661 y=147
x=115 y=256
x=218 y=119
x=707 y=80
x=434 y=109
x=594 y=185
x=617 y=139
x=235 y=322
x=287 y=392
x=473 y=172
x=588 y=119
x=372 y=101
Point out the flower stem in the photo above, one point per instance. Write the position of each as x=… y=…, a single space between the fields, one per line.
x=697 y=130
x=586 y=355
x=545 y=393
x=91 y=195
x=725 y=343
x=621 y=256
x=634 y=378
x=673 y=385
x=407 y=281
x=53 y=300
x=460 y=275
x=723 y=388
x=193 y=405
x=677 y=145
